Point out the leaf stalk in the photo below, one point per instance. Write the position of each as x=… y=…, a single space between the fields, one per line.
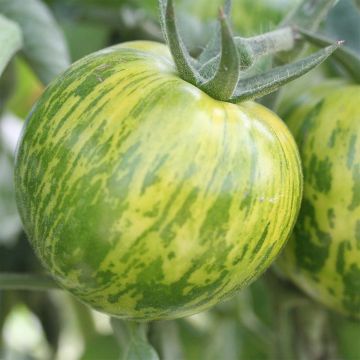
x=34 y=282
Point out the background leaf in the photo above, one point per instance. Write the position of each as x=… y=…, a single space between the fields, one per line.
x=348 y=58
x=10 y=41
x=347 y=333
x=343 y=23
x=101 y=347
x=10 y=224
x=44 y=44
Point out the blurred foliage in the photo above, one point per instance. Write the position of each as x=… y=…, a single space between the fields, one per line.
x=78 y=36
x=46 y=50
x=9 y=219
x=198 y=17
x=347 y=334
x=248 y=17
x=28 y=89
x=11 y=38
x=101 y=347
x=269 y=320
x=343 y=23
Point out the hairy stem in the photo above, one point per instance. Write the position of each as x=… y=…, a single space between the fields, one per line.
x=282 y=39
x=133 y=339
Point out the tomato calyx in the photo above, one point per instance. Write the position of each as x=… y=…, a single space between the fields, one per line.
x=225 y=69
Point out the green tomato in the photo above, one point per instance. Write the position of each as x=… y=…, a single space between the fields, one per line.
x=323 y=255
x=145 y=197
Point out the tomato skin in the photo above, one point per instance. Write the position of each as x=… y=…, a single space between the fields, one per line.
x=323 y=255
x=146 y=198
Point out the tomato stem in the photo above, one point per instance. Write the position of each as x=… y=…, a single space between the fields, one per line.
x=223 y=84
x=271 y=80
x=182 y=58
x=282 y=39
x=225 y=70
x=133 y=339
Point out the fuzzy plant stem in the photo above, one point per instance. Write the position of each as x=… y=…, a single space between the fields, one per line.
x=132 y=338
x=282 y=39
x=11 y=281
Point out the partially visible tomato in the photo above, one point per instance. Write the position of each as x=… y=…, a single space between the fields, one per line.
x=323 y=255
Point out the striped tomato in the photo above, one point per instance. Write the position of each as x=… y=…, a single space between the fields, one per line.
x=145 y=197
x=323 y=256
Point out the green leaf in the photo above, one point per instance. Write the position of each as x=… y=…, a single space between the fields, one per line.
x=132 y=337
x=101 y=347
x=10 y=41
x=22 y=93
x=265 y=83
x=7 y=86
x=349 y=59
x=347 y=333
x=44 y=44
